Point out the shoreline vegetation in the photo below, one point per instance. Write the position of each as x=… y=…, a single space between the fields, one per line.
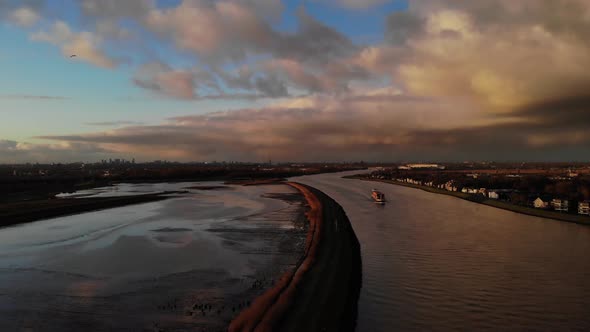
x=321 y=292
x=547 y=214
x=14 y=213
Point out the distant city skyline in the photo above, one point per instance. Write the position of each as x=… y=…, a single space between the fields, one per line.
x=316 y=80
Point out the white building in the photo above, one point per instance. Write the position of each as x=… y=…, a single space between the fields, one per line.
x=560 y=204
x=468 y=190
x=450 y=186
x=584 y=207
x=432 y=166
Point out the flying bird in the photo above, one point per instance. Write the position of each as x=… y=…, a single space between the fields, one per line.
x=73 y=55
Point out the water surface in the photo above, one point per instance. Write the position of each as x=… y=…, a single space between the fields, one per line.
x=435 y=262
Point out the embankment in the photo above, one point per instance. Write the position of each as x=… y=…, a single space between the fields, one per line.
x=27 y=211
x=547 y=214
x=321 y=292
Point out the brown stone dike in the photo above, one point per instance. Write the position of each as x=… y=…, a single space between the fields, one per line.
x=321 y=292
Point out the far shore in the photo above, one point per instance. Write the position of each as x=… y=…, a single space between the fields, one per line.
x=32 y=210
x=573 y=218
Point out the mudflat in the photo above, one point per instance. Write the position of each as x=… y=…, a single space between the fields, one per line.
x=190 y=262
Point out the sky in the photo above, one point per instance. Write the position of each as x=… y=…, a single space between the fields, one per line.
x=315 y=80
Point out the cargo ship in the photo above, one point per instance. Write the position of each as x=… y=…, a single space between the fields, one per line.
x=378 y=196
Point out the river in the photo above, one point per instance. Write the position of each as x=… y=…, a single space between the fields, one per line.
x=435 y=262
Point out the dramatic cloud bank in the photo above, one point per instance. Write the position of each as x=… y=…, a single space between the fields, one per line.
x=449 y=80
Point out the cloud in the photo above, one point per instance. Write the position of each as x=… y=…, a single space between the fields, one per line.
x=451 y=78
x=114 y=123
x=25 y=17
x=13 y=152
x=356 y=4
x=23 y=14
x=313 y=42
x=212 y=29
x=193 y=84
x=568 y=111
x=116 y=9
x=271 y=86
x=370 y=124
x=6 y=145
x=232 y=30
x=311 y=129
x=400 y=26
x=186 y=84
x=85 y=45
x=310 y=58
x=32 y=97
x=110 y=29
x=502 y=54
x=162 y=79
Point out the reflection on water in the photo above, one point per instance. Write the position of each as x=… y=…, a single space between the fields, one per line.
x=154 y=263
x=433 y=262
x=127 y=189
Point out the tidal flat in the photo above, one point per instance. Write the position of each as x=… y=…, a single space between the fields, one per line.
x=190 y=262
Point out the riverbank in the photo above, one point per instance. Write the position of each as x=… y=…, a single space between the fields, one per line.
x=321 y=292
x=14 y=213
x=578 y=219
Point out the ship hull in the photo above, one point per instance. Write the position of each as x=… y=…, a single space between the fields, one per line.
x=378 y=197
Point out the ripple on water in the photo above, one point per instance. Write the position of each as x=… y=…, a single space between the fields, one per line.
x=433 y=262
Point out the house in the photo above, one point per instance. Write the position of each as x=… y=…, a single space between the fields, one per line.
x=502 y=194
x=541 y=203
x=584 y=208
x=560 y=204
x=468 y=190
x=450 y=186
